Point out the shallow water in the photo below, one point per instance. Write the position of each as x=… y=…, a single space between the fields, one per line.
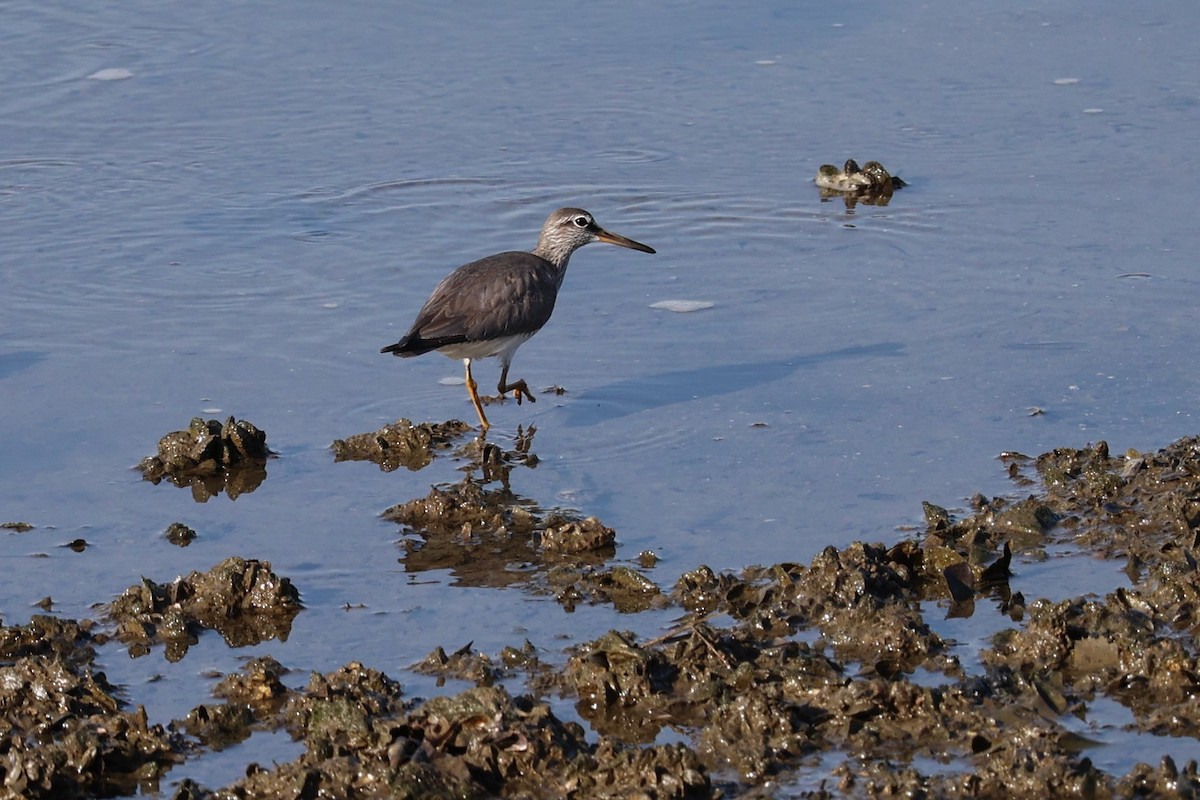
x=268 y=197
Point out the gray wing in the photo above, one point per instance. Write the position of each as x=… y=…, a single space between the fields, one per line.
x=501 y=295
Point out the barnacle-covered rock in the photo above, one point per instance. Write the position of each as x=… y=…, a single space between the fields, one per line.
x=64 y=730
x=241 y=599
x=870 y=184
x=211 y=457
x=400 y=444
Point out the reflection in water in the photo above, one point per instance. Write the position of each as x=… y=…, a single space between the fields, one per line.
x=992 y=581
x=400 y=444
x=868 y=197
x=234 y=480
x=491 y=536
x=871 y=184
x=211 y=456
x=487 y=535
x=496 y=464
x=242 y=599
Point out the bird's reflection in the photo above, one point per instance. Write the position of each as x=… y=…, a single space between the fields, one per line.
x=486 y=534
x=496 y=464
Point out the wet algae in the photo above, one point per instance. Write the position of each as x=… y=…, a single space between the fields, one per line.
x=818 y=680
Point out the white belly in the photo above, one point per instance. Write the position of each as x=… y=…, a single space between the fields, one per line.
x=503 y=347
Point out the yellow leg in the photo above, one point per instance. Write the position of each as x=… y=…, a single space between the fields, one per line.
x=473 y=388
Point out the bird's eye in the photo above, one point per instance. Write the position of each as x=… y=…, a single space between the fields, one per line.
x=582 y=222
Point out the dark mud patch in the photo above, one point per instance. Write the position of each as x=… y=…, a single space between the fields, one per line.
x=468 y=664
x=211 y=457
x=243 y=600
x=363 y=739
x=467 y=512
x=486 y=534
x=179 y=534
x=827 y=676
x=822 y=658
x=400 y=444
x=63 y=731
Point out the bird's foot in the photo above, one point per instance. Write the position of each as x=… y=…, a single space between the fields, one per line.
x=520 y=391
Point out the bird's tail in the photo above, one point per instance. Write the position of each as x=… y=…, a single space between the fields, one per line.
x=410 y=346
x=401 y=348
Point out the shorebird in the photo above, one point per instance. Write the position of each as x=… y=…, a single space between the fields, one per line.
x=492 y=306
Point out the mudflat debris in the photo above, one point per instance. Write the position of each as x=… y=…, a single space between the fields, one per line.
x=211 y=457
x=241 y=599
x=871 y=184
x=400 y=444
x=64 y=728
x=826 y=678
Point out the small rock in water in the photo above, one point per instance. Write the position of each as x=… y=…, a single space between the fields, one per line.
x=179 y=534
x=211 y=456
